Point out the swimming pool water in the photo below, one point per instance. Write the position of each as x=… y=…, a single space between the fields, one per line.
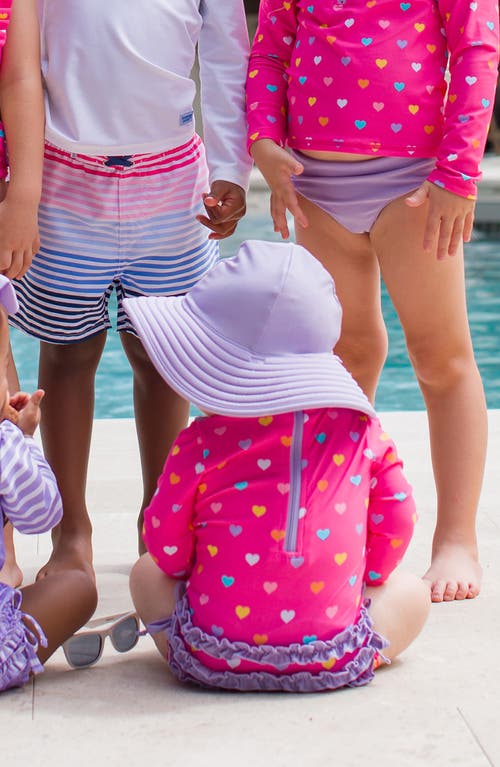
x=397 y=390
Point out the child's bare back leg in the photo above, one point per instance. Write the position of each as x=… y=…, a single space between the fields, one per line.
x=153 y=595
x=67 y=374
x=399 y=609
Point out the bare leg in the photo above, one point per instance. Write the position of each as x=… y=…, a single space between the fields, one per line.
x=11 y=573
x=399 y=609
x=429 y=296
x=67 y=374
x=160 y=414
x=12 y=377
x=153 y=594
x=352 y=262
x=61 y=602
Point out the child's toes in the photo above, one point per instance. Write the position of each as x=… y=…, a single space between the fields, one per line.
x=450 y=592
x=437 y=591
x=463 y=589
x=473 y=591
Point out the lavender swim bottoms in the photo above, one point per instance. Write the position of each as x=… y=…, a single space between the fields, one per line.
x=359 y=638
x=18 y=643
x=354 y=193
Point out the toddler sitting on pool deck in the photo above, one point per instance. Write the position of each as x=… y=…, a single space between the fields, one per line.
x=281 y=515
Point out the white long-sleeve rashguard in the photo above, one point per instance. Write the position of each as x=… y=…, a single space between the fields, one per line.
x=117 y=77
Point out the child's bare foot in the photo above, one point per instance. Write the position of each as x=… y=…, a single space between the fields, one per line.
x=71 y=551
x=11 y=574
x=455 y=573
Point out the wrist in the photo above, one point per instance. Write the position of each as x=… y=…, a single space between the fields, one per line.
x=17 y=194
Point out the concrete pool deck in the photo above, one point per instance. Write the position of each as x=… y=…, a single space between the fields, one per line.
x=435 y=707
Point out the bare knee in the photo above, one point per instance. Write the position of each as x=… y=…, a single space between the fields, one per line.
x=83 y=589
x=139 y=575
x=135 y=351
x=142 y=578
x=364 y=355
x=440 y=367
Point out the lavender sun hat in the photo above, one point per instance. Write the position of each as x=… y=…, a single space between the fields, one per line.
x=8 y=295
x=253 y=337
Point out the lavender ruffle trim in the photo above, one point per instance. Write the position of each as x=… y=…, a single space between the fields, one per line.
x=358 y=671
x=18 y=642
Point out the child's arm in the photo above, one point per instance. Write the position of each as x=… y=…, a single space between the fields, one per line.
x=168 y=530
x=472 y=33
x=267 y=79
x=391 y=511
x=30 y=498
x=223 y=55
x=21 y=106
x=266 y=89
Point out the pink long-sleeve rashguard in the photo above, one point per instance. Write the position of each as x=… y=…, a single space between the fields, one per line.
x=368 y=77
x=276 y=523
x=5 y=7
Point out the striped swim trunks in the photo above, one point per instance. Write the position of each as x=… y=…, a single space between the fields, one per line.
x=125 y=224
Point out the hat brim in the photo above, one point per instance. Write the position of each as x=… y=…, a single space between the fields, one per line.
x=221 y=377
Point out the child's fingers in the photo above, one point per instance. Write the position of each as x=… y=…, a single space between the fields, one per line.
x=296 y=168
x=431 y=231
x=291 y=201
x=15 y=265
x=456 y=237
x=278 y=214
x=210 y=200
x=418 y=197
x=468 y=225
x=444 y=239
x=37 y=397
x=19 y=400
x=220 y=229
x=5 y=259
x=298 y=214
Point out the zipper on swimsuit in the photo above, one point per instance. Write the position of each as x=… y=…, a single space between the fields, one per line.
x=292 y=520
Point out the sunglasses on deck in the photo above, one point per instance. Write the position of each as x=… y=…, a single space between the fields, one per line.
x=85 y=648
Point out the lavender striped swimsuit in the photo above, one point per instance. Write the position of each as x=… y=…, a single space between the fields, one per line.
x=30 y=500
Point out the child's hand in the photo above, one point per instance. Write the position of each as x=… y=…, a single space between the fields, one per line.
x=278 y=166
x=18 y=236
x=449 y=218
x=27 y=407
x=225 y=205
